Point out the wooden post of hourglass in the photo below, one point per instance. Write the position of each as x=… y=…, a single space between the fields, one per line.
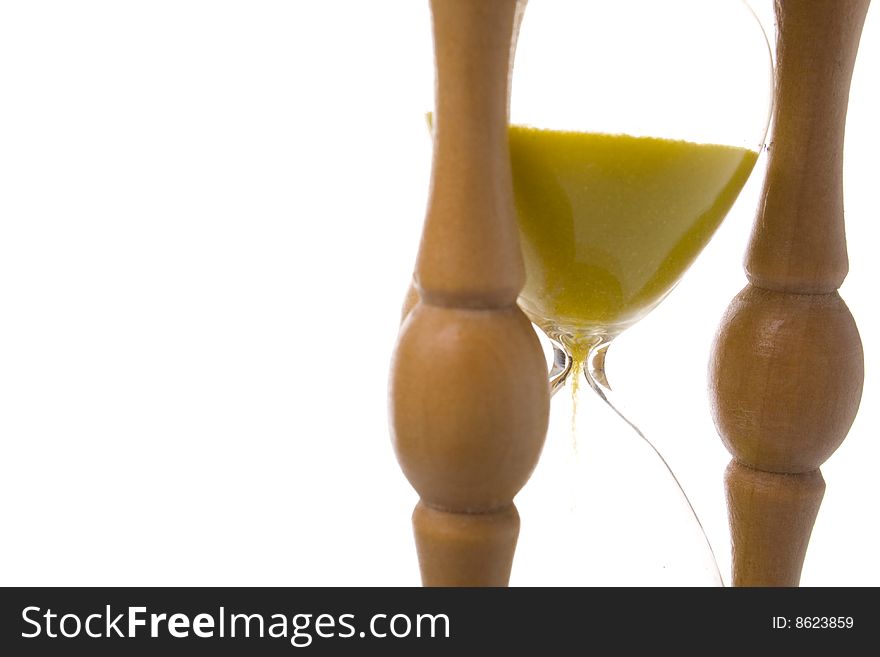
x=787 y=369
x=469 y=388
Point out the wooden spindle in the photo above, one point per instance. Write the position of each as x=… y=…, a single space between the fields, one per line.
x=469 y=391
x=787 y=366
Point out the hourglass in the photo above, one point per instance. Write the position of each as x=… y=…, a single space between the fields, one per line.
x=578 y=213
x=625 y=160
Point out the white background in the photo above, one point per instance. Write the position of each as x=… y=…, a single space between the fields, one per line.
x=208 y=217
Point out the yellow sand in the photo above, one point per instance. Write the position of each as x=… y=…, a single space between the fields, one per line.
x=610 y=222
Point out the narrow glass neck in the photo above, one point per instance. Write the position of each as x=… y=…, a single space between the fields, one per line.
x=587 y=359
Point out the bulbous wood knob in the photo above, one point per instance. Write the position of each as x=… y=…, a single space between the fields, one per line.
x=469 y=421
x=786 y=377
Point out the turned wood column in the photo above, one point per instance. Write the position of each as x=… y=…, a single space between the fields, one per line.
x=787 y=366
x=469 y=394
